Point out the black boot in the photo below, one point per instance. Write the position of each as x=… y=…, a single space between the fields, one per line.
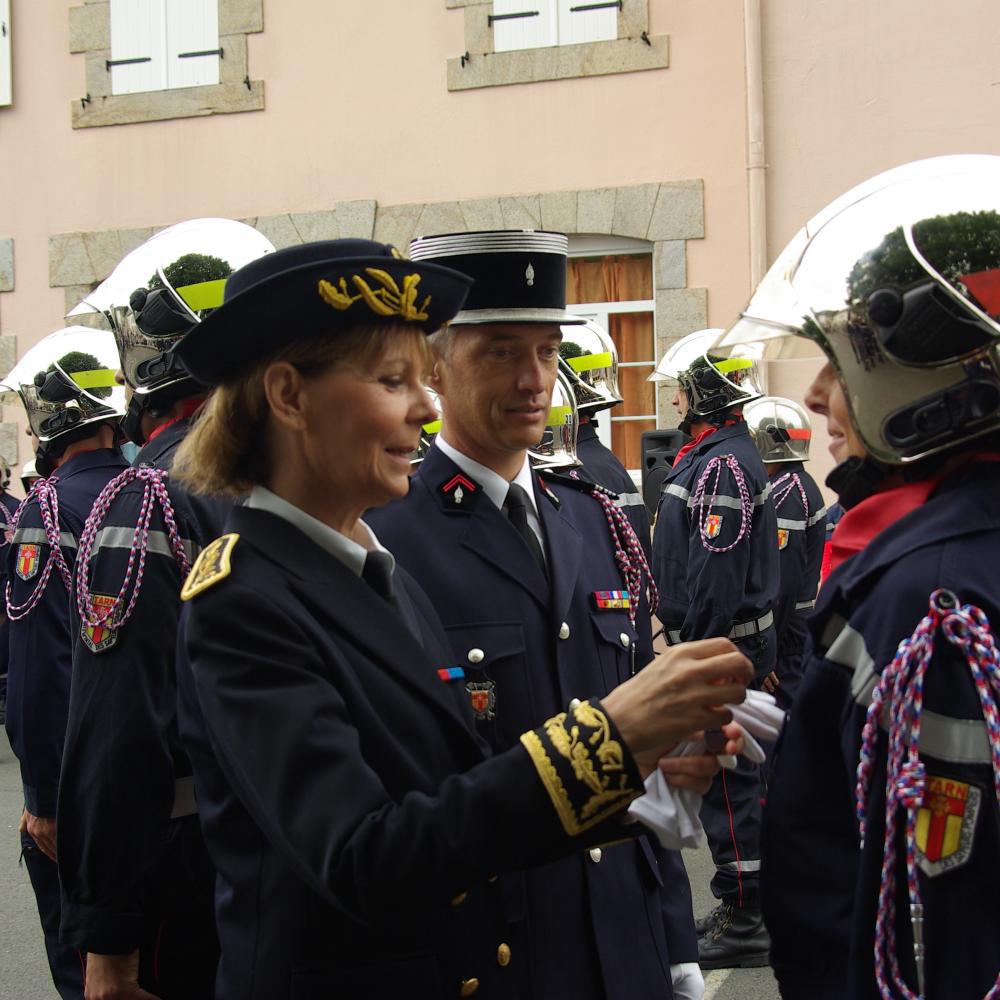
x=707 y=923
x=738 y=940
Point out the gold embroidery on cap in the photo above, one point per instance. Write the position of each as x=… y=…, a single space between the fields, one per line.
x=387 y=300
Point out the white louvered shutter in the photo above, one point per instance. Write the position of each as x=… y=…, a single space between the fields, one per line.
x=192 y=31
x=138 y=31
x=534 y=32
x=586 y=25
x=6 y=91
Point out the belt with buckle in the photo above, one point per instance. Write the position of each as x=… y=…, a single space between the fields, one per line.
x=739 y=631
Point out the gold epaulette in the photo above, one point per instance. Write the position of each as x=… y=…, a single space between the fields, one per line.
x=584 y=768
x=211 y=566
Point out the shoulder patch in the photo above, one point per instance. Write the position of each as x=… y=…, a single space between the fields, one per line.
x=212 y=565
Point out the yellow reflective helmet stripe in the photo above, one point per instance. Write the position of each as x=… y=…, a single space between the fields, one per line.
x=588 y=362
x=204 y=294
x=433 y=427
x=733 y=365
x=558 y=414
x=96 y=378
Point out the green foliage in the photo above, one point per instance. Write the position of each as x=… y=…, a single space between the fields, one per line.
x=191 y=269
x=81 y=361
x=570 y=349
x=957 y=244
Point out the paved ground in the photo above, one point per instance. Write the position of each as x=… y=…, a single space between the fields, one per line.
x=24 y=974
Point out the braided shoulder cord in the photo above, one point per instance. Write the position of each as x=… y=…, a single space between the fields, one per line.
x=630 y=558
x=715 y=464
x=154 y=493
x=782 y=489
x=898 y=697
x=43 y=492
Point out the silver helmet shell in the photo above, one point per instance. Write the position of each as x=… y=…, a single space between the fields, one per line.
x=163 y=288
x=713 y=380
x=897 y=282
x=780 y=429
x=589 y=359
x=557 y=448
x=67 y=381
x=428 y=432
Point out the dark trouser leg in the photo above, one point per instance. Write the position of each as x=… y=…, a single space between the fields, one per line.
x=64 y=963
x=731 y=815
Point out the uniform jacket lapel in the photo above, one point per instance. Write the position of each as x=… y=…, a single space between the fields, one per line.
x=481 y=528
x=564 y=553
x=354 y=611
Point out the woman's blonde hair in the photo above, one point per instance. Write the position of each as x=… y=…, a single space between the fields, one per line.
x=226 y=452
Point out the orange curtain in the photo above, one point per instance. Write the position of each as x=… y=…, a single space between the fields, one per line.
x=623 y=279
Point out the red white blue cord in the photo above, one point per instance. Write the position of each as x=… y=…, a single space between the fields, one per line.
x=154 y=494
x=783 y=487
x=43 y=492
x=898 y=698
x=703 y=508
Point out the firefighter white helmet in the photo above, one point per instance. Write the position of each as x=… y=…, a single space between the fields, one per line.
x=780 y=428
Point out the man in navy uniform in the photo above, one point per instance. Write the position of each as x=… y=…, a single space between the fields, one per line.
x=522 y=571
x=781 y=430
x=8 y=508
x=715 y=561
x=66 y=383
x=138 y=885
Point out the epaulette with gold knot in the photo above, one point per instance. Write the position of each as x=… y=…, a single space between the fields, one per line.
x=588 y=773
x=212 y=565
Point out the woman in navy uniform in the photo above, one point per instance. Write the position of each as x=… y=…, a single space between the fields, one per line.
x=889 y=886
x=715 y=560
x=138 y=887
x=780 y=429
x=355 y=818
x=66 y=383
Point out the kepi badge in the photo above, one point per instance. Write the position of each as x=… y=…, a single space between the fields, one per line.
x=98 y=638
x=946 y=823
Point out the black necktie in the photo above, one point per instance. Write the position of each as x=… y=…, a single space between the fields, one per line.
x=377 y=573
x=516 y=509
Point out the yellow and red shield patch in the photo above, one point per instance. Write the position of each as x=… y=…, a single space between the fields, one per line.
x=713 y=525
x=27 y=560
x=782 y=538
x=946 y=823
x=97 y=638
x=482 y=698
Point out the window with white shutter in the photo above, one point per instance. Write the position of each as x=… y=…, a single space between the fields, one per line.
x=6 y=93
x=163 y=44
x=524 y=24
x=587 y=21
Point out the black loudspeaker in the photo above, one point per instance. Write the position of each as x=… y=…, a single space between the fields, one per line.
x=659 y=449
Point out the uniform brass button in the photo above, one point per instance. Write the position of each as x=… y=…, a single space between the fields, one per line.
x=625 y=640
x=503 y=955
x=476 y=655
x=459 y=899
x=575 y=704
x=468 y=987
x=595 y=855
x=564 y=631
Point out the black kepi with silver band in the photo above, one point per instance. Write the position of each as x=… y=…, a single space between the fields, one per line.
x=520 y=275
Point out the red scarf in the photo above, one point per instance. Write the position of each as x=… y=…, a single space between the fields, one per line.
x=189 y=408
x=691 y=445
x=874 y=514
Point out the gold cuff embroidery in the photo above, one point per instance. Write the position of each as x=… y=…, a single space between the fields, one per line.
x=582 y=766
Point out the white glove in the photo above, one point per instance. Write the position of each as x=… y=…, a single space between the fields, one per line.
x=687 y=981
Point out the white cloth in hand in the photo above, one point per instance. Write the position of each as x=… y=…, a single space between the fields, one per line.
x=687 y=981
x=672 y=813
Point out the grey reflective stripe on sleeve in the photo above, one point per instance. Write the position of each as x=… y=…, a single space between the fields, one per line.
x=739 y=866
x=677 y=492
x=784 y=522
x=629 y=500
x=36 y=536
x=805 y=605
x=159 y=542
x=959 y=741
x=721 y=500
x=185 y=803
x=817 y=517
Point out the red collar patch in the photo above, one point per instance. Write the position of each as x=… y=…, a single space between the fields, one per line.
x=457 y=487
